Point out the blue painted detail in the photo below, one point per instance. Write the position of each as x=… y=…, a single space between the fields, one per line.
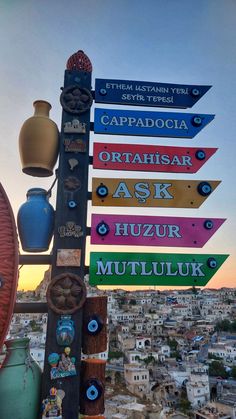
x=65 y=331
x=35 y=221
x=200 y=155
x=195 y=92
x=94 y=325
x=212 y=263
x=102 y=228
x=208 y=224
x=153 y=124
x=196 y=121
x=93 y=390
x=103 y=92
x=142 y=93
x=72 y=204
x=92 y=393
x=204 y=188
x=102 y=191
x=1 y=282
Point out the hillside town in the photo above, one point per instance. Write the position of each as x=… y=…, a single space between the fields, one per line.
x=171 y=354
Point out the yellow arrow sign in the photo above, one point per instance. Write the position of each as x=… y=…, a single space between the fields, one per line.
x=151 y=192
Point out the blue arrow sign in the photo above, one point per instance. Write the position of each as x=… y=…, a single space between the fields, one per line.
x=141 y=93
x=153 y=124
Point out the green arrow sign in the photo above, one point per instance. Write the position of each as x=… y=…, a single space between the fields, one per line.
x=153 y=268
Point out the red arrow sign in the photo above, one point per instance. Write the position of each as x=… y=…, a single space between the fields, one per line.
x=150 y=158
x=152 y=231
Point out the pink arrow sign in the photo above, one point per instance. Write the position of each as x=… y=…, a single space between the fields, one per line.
x=135 y=230
x=151 y=158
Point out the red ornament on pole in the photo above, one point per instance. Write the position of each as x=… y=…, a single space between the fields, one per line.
x=79 y=61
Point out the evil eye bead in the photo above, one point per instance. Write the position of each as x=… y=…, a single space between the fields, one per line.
x=195 y=92
x=94 y=325
x=196 y=121
x=102 y=228
x=103 y=92
x=72 y=204
x=212 y=263
x=200 y=155
x=93 y=390
x=208 y=224
x=204 y=188
x=102 y=191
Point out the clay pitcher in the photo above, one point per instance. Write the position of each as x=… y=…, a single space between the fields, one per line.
x=35 y=221
x=39 y=142
x=20 y=380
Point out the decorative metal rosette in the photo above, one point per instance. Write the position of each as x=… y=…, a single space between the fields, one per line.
x=66 y=293
x=76 y=100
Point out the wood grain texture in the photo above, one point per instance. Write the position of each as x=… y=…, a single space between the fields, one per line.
x=92 y=369
x=94 y=306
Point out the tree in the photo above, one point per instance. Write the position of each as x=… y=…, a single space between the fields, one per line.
x=233 y=372
x=118 y=377
x=184 y=405
x=133 y=302
x=194 y=290
x=223 y=326
x=217 y=369
x=177 y=355
x=172 y=344
x=149 y=360
x=213 y=356
x=115 y=355
x=34 y=326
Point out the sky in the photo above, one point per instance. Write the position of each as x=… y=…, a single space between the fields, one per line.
x=166 y=41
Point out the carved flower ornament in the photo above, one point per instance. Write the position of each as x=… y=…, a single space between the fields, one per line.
x=76 y=100
x=66 y=293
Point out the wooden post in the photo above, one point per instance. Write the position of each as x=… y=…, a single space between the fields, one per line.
x=94 y=325
x=66 y=292
x=92 y=387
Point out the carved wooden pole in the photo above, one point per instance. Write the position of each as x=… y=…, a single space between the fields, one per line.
x=66 y=293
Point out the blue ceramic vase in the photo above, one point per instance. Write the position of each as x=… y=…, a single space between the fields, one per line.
x=35 y=221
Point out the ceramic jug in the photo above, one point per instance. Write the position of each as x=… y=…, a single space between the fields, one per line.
x=39 y=142
x=35 y=221
x=20 y=380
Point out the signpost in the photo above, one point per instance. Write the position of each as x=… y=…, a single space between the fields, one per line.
x=150 y=158
x=143 y=93
x=133 y=230
x=152 y=124
x=76 y=322
x=170 y=193
x=153 y=268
